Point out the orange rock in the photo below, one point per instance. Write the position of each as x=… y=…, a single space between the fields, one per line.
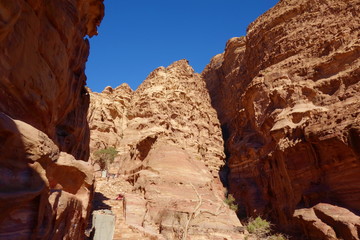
x=42 y=56
x=170 y=150
x=329 y=222
x=44 y=192
x=287 y=95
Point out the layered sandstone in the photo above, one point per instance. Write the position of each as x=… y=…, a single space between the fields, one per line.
x=170 y=151
x=45 y=192
x=288 y=100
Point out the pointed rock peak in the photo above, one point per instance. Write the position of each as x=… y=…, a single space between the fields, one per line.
x=183 y=63
x=165 y=76
x=182 y=66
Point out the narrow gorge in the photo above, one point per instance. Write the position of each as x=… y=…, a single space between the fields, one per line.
x=273 y=121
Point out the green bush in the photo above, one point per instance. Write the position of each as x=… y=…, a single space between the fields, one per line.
x=105 y=157
x=261 y=229
x=230 y=200
x=258 y=226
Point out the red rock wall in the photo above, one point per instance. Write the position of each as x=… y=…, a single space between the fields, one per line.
x=42 y=62
x=44 y=191
x=287 y=96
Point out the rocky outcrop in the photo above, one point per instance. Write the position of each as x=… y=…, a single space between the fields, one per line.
x=44 y=191
x=170 y=150
x=108 y=116
x=42 y=56
x=325 y=221
x=288 y=100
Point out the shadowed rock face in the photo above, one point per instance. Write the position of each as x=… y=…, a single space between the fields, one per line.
x=171 y=151
x=44 y=191
x=42 y=56
x=288 y=100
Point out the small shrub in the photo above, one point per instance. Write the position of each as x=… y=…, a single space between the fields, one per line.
x=105 y=157
x=258 y=226
x=230 y=200
x=261 y=229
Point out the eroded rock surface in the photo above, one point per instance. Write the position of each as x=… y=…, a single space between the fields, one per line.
x=171 y=151
x=108 y=116
x=42 y=61
x=326 y=221
x=44 y=191
x=288 y=100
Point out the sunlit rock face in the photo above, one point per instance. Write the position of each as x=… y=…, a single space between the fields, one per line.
x=172 y=104
x=288 y=100
x=44 y=191
x=170 y=150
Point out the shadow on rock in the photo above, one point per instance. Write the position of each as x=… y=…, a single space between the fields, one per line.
x=98 y=202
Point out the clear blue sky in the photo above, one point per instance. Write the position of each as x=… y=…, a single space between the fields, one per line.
x=137 y=36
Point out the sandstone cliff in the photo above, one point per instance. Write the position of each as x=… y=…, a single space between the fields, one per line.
x=171 y=150
x=44 y=191
x=288 y=100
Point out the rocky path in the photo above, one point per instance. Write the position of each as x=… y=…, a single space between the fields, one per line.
x=105 y=195
x=129 y=227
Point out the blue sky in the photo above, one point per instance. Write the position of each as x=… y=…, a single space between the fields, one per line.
x=137 y=36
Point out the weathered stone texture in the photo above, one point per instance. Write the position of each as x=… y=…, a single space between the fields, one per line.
x=287 y=96
x=44 y=191
x=171 y=151
x=42 y=61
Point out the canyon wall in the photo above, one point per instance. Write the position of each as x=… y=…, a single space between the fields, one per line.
x=170 y=151
x=44 y=191
x=287 y=96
